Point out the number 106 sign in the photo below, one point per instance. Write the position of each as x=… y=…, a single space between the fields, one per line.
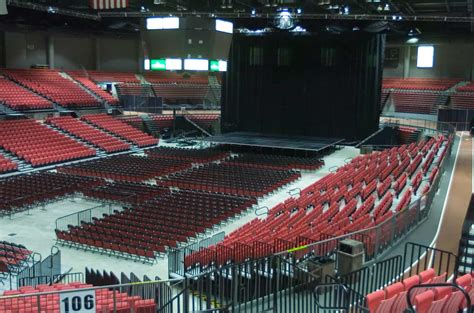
x=77 y=302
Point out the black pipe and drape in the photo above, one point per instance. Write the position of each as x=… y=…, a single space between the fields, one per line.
x=325 y=85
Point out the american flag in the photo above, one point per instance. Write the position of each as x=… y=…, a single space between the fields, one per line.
x=108 y=4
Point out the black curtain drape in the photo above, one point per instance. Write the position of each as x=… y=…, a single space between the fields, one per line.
x=325 y=85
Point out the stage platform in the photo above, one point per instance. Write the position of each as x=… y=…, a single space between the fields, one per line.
x=258 y=140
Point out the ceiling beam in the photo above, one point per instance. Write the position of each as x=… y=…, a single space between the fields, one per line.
x=53 y=10
x=304 y=16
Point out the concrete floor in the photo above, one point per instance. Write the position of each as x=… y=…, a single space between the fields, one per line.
x=35 y=229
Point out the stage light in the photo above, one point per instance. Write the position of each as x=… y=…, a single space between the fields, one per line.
x=386 y=7
x=346 y=10
x=284 y=20
x=413 y=40
x=380 y=8
x=414 y=32
x=254 y=12
x=299 y=11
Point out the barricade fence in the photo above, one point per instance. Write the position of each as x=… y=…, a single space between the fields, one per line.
x=277 y=282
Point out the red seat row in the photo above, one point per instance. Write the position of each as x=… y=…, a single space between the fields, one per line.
x=19 y=98
x=393 y=298
x=88 y=133
x=106 y=77
x=53 y=86
x=6 y=165
x=329 y=207
x=121 y=129
x=419 y=83
x=38 y=144
x=151 y=226
x=12 y=256
x=29 y=299
x=104 y=95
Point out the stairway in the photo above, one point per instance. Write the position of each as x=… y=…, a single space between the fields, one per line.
x=6 y=110
x=98 y=152
x=99 y=99
x=197 y=126
x=150 y=125
x=466 y=251
x=23 y=166
x=215 y=91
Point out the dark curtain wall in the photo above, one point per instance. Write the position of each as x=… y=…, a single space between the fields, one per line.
x=310 y=85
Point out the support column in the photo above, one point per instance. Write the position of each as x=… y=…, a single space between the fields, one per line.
x=97 y=53
x=3 y=45
x=51 y=52
x=407 y=61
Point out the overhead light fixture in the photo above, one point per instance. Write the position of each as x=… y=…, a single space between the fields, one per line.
x=299 y=11
x=284 y=20
x=380 y=8
x=386 y=7
x=414 y=32
x=346 y=10
x=413 y=40
x=254 y=12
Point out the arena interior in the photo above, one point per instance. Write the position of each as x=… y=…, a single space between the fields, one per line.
x=300 y=156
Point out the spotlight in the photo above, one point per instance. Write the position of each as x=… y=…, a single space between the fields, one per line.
x=299 y=11
x=254 y=12
x=386 y=7
x=284 y=20
x=142 y=9
x=380 y=8
x=413 y=40
x=346 y=10
x=414 y=32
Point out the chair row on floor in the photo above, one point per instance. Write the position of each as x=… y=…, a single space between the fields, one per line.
x=446 y=299
x=120 y=129
x=20 y=192
x=276 y=162
x=29 y=299
x=231 y=179
x=12 y=256
x=88 y=133
x=192 y=155
x=38 y=144
x=153 y=226
x=127 y=167
x=349 y=200
x=132 y=193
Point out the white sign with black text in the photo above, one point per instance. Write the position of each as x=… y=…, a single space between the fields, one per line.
x=77 y=302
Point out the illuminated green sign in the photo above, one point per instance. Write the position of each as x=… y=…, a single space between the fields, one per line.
x=158 y=65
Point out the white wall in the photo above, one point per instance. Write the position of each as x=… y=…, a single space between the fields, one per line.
x=452 y=59
x=70 y=52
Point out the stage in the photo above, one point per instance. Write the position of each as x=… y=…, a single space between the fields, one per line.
x=258 y=140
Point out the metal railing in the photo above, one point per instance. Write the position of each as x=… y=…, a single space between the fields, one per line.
x=96 y=212
x=279 y=282
x=176 y=256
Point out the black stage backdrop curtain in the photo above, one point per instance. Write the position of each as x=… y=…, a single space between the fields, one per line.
x=325 y=85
